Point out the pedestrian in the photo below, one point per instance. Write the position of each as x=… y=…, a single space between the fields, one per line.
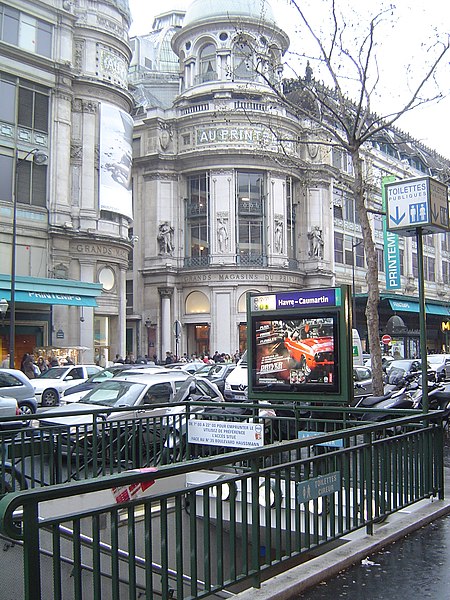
x=28 y=367
x=5 y=362
x=169 y=359
x=42 y=364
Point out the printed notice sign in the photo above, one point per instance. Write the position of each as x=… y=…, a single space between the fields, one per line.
x=225 y=433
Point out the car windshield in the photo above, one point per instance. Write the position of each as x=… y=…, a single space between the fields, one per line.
x=204 y=370
x=402 y=364
x=54 y=373
x=436 y=359
x=396 y=375
x=105 y=375
x=114 y=393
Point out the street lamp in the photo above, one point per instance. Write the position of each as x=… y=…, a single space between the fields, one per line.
x=39 y=158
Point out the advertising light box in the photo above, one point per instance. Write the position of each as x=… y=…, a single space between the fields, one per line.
x=295 y=354
x=300 y=343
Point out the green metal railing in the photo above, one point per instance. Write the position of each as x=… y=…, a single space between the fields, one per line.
x=195 y=528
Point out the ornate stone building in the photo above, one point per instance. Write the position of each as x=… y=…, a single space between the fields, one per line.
x=64 y=92
x=234 y=195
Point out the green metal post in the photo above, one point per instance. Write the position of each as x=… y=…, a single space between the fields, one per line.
x=422 y=321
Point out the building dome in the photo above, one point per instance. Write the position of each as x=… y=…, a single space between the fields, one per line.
x=208 y=10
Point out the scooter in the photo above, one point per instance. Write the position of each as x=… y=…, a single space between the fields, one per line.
x=398 y=396
x=409 y=397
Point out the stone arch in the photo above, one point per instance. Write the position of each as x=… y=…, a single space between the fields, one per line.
x=197 y=303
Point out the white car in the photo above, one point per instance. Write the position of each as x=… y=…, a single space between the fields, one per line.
x=8 y=408
x=440 y=364
x=49 y=386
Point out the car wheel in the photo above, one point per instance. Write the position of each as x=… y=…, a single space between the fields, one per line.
x=26 y=408
x=50 y=398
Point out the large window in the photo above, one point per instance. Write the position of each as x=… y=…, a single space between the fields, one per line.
x=243 y=63
x=208 y=68
x=25 y=31
x=25 y=106
x=250 y=210
x=31 y=183
x=348 y=250
x=344 y=207
x=28 y=100
x=197 y=220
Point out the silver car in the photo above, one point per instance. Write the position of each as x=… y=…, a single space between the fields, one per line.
x=120 y=433
x=15 y=384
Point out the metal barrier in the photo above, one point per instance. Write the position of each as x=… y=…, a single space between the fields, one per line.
x=201 y=527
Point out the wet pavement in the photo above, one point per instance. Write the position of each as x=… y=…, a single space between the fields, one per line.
x=415 y=567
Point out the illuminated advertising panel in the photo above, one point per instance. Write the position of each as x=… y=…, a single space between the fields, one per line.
x=293 y=355
x=300 y=344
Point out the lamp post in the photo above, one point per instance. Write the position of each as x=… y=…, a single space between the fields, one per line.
x=39 y=158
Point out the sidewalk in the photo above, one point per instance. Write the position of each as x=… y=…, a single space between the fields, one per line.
x=358 y=546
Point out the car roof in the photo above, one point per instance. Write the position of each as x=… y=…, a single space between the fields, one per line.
x=139 y=376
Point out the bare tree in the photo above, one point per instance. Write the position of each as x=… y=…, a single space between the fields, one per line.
x=342 y=110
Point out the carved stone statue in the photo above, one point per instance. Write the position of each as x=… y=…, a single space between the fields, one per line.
x=315 y=242
x=278 y=236
x=222 y=234
x=165 y=238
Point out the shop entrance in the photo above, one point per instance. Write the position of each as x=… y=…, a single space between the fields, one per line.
x=198 y=339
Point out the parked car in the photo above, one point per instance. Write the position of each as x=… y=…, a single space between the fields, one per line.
x=217 y=373
x=49 y=386
x=8 y=408
x=362 y=380
x=15 y=384
x=73 y=394
x=440 y=364
x=189 y=367
x=139 y=392
x=236 y=384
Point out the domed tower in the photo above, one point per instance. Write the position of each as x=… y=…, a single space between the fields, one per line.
x=222 y=169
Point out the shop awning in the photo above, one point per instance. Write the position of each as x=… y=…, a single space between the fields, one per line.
x=50 y=291
x=409 y=306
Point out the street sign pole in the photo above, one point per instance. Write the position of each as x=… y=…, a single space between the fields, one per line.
x=422 y=321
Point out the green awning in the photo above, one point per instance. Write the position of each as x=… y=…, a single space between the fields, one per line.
x=409 y=306
x=38 y=290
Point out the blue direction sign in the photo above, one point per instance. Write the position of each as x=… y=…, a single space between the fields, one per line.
x=414 y=203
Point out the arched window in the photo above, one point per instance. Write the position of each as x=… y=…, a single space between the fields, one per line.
x=197 y=303
x=208 y=64
x=244 y=67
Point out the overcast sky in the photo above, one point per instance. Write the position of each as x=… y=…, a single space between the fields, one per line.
x=414 y=22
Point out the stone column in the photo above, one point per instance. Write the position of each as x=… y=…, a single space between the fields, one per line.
x=166 y=328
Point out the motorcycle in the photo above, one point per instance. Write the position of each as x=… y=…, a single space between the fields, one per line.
x=409 y=396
